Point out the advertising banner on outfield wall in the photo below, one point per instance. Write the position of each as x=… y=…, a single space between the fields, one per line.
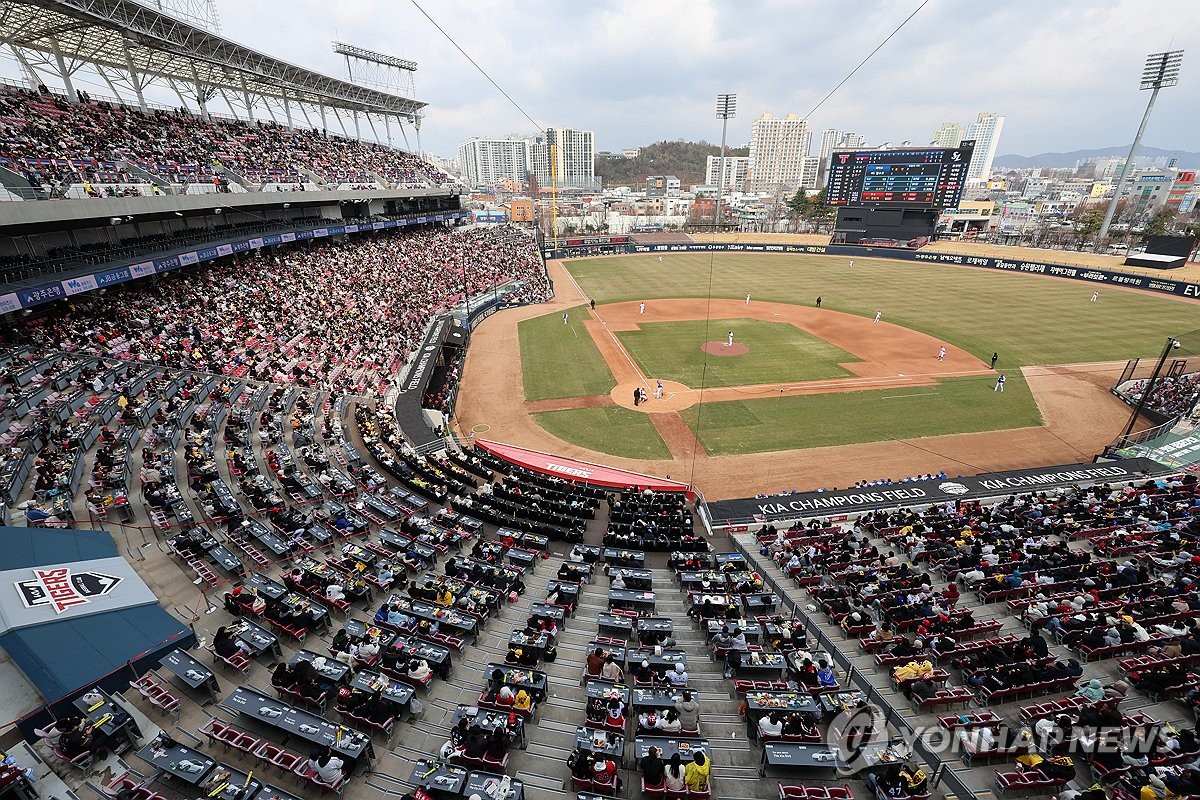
x=1089 y=274
x=920 y=493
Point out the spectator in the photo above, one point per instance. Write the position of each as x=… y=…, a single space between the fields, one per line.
x=696 y=773
x=339 y=316
x=326 y=765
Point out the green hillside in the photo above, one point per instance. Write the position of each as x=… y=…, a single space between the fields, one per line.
x=684 y=160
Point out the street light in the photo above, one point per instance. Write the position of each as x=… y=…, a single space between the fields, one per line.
x=1161 y=70
x=726 y=110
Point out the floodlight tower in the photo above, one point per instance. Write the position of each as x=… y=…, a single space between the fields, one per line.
x=384 y=72
x=726 y=110
x=1161 y=69
x=201 y=13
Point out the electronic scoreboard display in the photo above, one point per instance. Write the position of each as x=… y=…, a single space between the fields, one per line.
x=930 y=177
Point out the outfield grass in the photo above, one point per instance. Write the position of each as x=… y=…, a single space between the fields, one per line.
x=560 y=360
x=779 y=353
x=957 y=405
x=606 y=429
x=1028 y=319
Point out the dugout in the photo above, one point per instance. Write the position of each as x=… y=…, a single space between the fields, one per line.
x=442 y=390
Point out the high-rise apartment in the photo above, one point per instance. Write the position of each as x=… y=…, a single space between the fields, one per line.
x=575 y=158
x=736 y=168
x=949 y=135
x=487 y=162
x=832 y=139
x=985 y=130
x=778 y=147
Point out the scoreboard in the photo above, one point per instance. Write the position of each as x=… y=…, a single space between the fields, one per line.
x=931 y=178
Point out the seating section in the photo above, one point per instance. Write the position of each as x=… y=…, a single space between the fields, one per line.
x=1033 y=781
x=56 y=143
x=1172 y=394
x=801 y=792
x=284 y=319
x=151 y=687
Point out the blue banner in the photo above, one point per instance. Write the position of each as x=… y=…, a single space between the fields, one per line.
x=41 y=294
x=46 y=293
x=112 y=276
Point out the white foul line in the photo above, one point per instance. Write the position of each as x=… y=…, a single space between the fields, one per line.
x=894 y=396
x=644 y=380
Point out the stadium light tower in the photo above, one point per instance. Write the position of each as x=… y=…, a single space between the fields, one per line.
x=1162 y=69
x=726 y=110
x=386 y=73
x=201 y=13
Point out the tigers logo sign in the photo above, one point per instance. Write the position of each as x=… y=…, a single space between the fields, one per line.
x=63 y=589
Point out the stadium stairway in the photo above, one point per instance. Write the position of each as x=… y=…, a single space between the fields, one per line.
x=145 y=175
x=19 y=186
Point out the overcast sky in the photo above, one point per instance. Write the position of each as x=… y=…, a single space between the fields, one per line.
x=1063 y=72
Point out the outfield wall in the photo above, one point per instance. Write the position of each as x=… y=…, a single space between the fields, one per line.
x=1098 y=277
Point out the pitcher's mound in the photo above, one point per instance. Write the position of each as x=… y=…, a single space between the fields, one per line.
x=721 y=349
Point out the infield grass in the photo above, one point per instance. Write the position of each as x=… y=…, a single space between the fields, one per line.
x=614 y=430
x=956 y=405
x=1027 y=319
x=779 y=353
x=560 y=360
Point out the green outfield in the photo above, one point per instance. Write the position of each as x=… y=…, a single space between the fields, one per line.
x=956 y=405
x=1028 y=319
x=779 y=353
x=560 y=360
x=606 y=429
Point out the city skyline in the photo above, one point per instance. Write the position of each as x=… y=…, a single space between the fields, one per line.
x=1065 y=76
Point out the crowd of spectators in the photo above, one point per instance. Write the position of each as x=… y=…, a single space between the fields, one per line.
x=340 y=316
x=51 y=142
x=1173 y=394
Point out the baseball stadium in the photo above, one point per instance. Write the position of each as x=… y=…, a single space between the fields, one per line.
x=319 y=479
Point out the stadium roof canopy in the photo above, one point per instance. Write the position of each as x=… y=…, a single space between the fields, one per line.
x=132 y=45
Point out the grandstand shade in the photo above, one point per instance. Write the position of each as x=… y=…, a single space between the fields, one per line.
x=115 y=34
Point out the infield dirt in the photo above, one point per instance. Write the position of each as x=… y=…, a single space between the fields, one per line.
x=1080 y=414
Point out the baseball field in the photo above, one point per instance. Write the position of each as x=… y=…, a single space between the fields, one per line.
x=891 y=374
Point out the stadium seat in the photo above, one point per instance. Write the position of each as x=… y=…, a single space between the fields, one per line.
x=306 y=775
x=654 y=792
